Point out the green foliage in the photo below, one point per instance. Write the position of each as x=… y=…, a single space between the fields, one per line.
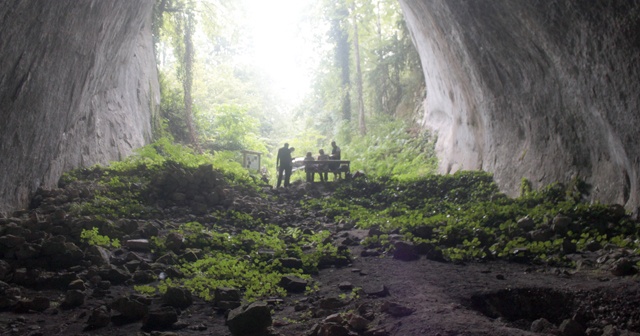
x=229 y=127
x=145 y=289
x=465 y=217
x=163 y=150
x=93 y=237
x=391 y=149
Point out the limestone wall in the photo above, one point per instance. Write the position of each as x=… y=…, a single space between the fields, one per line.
x=78 y=86
x=541 y=89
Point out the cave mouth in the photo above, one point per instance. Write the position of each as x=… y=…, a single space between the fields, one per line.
x=524 y=305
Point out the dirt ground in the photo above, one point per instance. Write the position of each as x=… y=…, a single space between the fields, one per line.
x=443 y=299
x=388 y=297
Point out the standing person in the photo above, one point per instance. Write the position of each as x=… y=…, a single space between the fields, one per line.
x=335 y=155
x=323 y=157
x=283 y=165
x=335 y=151
x=309 y=168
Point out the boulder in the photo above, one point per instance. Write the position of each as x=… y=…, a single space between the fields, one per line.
x=177 y=297
x=130 y=309
x=405 y=251
x=73 y=298
x=100 y=317
x=160 y=319
x=293 y=284
x=396 y=309
x=253 y=318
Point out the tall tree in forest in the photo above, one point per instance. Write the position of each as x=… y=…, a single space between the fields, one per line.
x=180 y=31
x=187 y=81
x=356 y=49
x=338 y=14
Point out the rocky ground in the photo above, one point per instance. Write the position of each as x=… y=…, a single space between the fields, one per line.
x=55 y=284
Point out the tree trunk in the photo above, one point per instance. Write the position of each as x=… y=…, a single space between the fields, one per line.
x=188 y=80
x=356 y=47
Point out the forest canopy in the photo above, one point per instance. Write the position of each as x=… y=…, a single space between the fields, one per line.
x=251 y=75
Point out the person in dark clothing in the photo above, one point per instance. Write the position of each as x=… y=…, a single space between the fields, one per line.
x=335 y=151
x=283 y=165
x=324 y=177
x=335 y=155
x=309 y=167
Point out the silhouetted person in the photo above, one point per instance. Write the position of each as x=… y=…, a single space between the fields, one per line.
x=309 y=168
x=335 y=151
x=283 y=165
x=323 y=157
x=335 y=155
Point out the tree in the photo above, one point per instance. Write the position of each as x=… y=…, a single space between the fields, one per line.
x=356 y=48
x=338 y=14
x=181 y=15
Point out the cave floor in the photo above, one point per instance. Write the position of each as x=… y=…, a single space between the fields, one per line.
x=437 y=298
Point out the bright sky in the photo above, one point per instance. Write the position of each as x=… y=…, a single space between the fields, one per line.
x=282 y=44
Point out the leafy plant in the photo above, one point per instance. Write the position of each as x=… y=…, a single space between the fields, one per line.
x=93 y=237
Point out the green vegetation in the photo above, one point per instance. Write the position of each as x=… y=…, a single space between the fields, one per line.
x=456 y=218
x=93 y=237
x=464 y=217
x=249 y=259
x=216 y=101
x=392 y=148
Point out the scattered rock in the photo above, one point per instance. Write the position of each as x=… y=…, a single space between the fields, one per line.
x=542 y=234
x=593 y=246
x=623 y=267
x=73 y=298
x=423 y=231
x=376 y=290
x=226 y=298
x=174 y=241
x=38 y=304
x=291 y=263
x=160 y=319
x=395 y=309
x=332 y=329
x=526 y=224
x=5 y=270
x=370 y=253
x=332 y=303
x=77 y=284
x=177 y=297
x=132 y=310
x=252 y=318
x=144 y=277
x=405 y=251
x=345 y=286
x=542 y=325
x=115 y=274
x=100 y=317
x=293 y=284
x=570 y=327
x=358 y=323
x=99 y=255
x=138 y=244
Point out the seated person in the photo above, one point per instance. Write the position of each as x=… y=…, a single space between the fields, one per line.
x=309 y=168
x=323 y=157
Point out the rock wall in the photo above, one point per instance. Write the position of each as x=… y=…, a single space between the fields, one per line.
x=78 y=86
x=539 y=89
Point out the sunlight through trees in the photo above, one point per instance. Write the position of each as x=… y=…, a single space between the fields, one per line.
x=246 y=75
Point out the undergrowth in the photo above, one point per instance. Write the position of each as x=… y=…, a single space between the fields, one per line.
x=465 y=217
x=457 y=217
